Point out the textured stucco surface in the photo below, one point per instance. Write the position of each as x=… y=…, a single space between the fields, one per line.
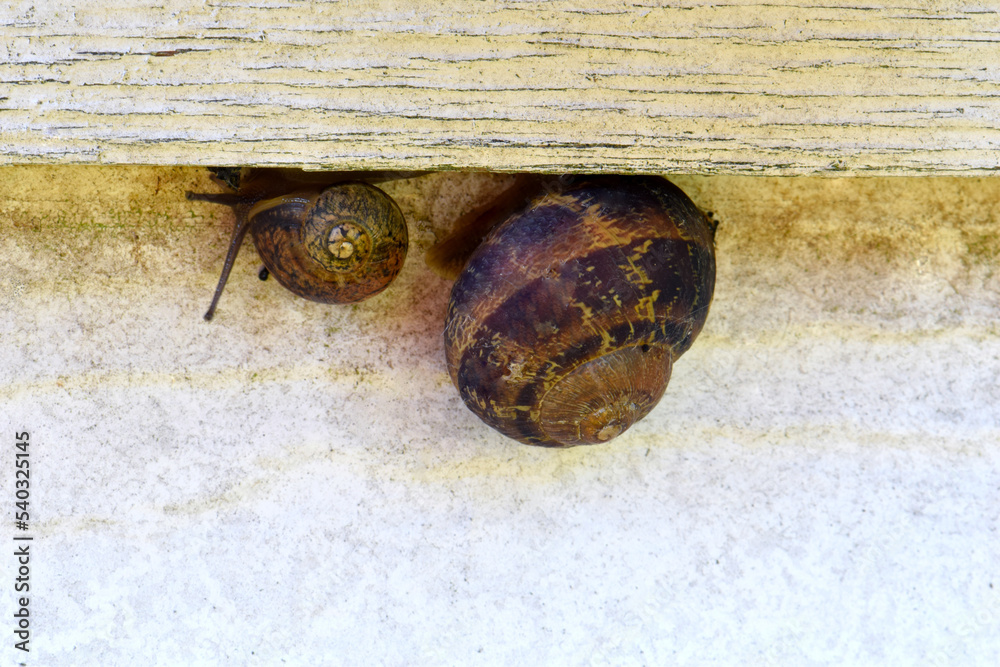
x=301 y=483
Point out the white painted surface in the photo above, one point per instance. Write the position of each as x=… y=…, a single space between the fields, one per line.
x=745 y=86
x=300 y=484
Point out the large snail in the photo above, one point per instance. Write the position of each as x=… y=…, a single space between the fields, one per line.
x=565 y=322
x=332 y=238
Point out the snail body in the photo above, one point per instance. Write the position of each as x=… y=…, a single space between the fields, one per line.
x=564 y=324
x=326 y=238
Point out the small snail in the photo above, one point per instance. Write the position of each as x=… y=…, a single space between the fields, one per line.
x=566 y=320
x=332 y=238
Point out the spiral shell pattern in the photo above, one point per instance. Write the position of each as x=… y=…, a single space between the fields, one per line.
x=565 y=323
x=342 y=245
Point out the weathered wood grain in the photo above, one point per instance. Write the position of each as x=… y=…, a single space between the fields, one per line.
x=779 y=87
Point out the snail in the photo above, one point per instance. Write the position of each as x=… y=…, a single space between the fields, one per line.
x=327 y=237
x=565 y=322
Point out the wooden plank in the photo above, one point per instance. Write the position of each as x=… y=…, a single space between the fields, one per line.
x=781 y=87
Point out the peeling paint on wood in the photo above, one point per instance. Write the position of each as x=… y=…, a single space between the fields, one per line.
x=784 y=87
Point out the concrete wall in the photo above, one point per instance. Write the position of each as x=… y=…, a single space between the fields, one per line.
x=301 y=482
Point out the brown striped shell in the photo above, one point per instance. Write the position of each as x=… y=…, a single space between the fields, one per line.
x=565 y=323
x=326 y=238
x=341 y=245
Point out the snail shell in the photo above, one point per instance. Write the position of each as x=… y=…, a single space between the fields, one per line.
x=566 y=321
x=342 y=245
x=326 y=238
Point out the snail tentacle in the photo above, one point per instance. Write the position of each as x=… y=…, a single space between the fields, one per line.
x=242 y=227
x=224 y=198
